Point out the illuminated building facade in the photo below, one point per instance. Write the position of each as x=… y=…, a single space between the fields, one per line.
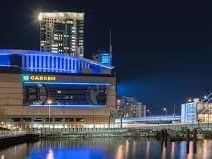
x=189 y=112
x=129 y=107
x=62 y=32
x=40 y=87
x=103 y=57
x=196 y=112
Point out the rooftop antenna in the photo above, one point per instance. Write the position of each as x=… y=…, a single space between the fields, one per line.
x=110 y=48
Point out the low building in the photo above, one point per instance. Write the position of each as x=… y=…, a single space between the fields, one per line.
x=140 y=110
x=196 y=111
x=103 y=57
x=42 y=89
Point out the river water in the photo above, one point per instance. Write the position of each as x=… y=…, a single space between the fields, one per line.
x=107 y=148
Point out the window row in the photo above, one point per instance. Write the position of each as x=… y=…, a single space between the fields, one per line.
x=54 y=63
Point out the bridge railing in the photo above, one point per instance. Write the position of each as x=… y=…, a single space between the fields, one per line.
x=5 y=133
x=77 y=130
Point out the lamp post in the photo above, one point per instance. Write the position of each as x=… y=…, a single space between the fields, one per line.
x=165 y=110
x=208 y=116
x=49 y=105
x=93 y=118
x=148 y=111
x=110 y=115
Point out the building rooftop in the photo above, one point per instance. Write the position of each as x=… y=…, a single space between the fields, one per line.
x=38 y=61
x=75 y=15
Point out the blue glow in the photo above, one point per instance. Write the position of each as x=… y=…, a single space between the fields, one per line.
x=106 y=59
x=36 y=61
x=72 y=83
x=68 y=153
x=5 y=60
x=9 y=65
x=72 y=105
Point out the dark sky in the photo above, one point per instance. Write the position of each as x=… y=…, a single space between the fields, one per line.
x=162 y=50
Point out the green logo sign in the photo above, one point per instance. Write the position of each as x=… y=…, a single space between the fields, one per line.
x=38 y=78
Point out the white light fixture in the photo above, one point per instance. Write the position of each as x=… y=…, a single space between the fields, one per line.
x=39 y=17
x=49 y=101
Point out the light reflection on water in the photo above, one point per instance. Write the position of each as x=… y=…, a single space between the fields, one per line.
x=108 y=148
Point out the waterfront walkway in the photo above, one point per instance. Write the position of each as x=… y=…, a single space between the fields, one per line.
x=9 y=133
x=129 y=130
x=10 y=138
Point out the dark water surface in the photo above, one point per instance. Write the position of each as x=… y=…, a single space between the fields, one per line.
x=107 y=148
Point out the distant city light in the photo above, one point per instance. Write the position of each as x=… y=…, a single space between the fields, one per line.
x=118 y=101
x=49 y=101
x=39 y=17
x=189 y=100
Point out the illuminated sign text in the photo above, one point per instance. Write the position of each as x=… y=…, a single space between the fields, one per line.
x=38 y=78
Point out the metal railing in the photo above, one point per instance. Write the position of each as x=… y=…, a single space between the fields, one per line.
x=9 y=133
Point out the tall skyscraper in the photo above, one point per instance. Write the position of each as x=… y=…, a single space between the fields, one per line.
x=62 y=32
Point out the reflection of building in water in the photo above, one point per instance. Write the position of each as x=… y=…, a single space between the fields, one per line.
x=130 y=107
x=147 y=153
x=19 y=151
x=173 y=147
x=196 y=111
x=121 y=152
x=50 y=154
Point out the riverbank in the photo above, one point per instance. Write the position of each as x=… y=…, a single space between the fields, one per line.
x=93 y=133
x=12 y=139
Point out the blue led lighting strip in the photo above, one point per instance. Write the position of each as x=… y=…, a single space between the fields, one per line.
x=9 y=66
x=68 y=105
x=71 y=83
x=36 y=61
x=51 y=70
x=39 y=53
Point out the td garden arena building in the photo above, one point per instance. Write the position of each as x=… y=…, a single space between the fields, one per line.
x=47 y=90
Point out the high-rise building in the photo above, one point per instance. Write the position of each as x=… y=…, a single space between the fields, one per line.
x=130 y=107
x=62 y=32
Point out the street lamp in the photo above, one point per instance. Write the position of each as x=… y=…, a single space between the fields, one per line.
x=148 y=111
x=165 y=110
x=93 y=118
x=49 y=105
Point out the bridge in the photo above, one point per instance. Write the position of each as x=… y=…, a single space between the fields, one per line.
x=157 y=119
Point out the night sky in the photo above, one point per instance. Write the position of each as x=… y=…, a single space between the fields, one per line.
x=162 y=50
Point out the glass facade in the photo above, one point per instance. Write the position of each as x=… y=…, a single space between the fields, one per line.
x=204 y=112
x=65 y=94
x=189 y=112
x=195 y=112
